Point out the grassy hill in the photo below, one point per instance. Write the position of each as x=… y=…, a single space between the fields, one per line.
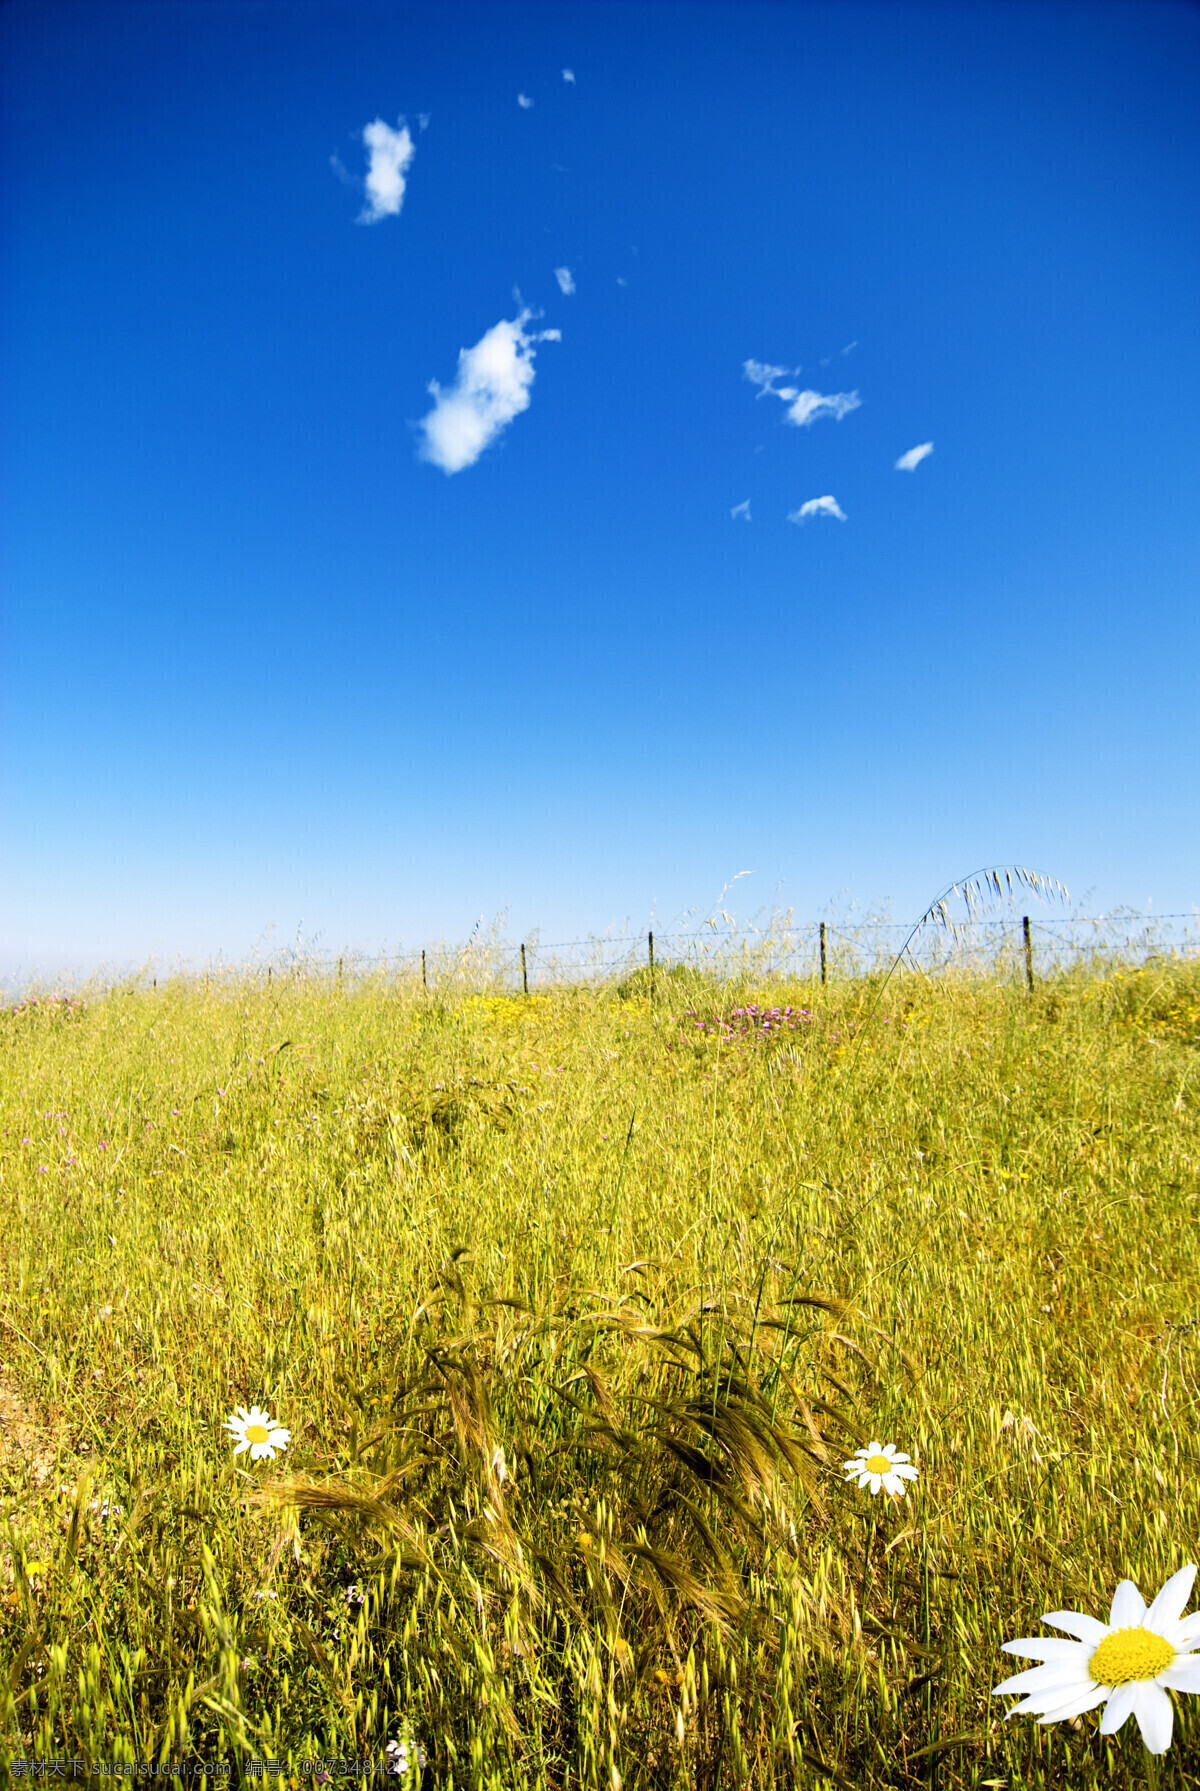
x=574 y=1307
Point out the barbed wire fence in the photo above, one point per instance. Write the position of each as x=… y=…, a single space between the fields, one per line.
x=1015 y=945
x=1022 y=945
x=1027 y=946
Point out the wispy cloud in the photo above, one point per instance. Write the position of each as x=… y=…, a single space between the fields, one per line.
x=569 y=75
x=808 y=406
x=803 y=407
x=566 y=282
x=391 y=156
x=491 y=388
x=850 y=345
x=908 y=463
x=742 y=510
x=823 y=506
x=761 y=374
x=524 y=101
x=423 y=120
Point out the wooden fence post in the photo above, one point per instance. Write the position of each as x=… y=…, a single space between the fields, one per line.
x=524 y=972
x=651 y=969
x=1028 y=951
x=822 y=951
x=424 y=984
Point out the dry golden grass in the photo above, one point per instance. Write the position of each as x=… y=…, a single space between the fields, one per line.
x=575 y=1306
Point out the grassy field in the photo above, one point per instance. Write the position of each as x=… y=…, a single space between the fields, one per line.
x=574 y=1307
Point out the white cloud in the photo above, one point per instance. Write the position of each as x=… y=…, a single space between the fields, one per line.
x=808 y=406
x=566 y=283
x=908 y=463
x=524 y=101
x=423 y=120
x=804 y=407
x=764 y=376
x=825 y=506
x=492 y=387
x=569 y=75
x=391 y=155
x=850 y=345
x=742 y=510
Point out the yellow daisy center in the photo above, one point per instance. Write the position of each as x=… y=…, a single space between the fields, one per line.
x=877 y=1464
x=257 y=1433
x=1130 y=1654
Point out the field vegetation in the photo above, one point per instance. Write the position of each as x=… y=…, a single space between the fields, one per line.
x=574 y=1306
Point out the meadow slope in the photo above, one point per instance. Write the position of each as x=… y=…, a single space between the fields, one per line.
x=575 y=1305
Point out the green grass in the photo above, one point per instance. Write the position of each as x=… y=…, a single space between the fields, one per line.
x=675 y=1277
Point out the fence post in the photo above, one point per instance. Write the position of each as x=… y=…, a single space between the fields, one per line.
x=424 y=984
x=1028 y=951
x=268 y=976
x=822 y=951
x=524 y=972
x=651 y=969
x=339 y=970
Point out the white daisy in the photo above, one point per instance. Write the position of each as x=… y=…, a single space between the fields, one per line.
x=258 y=1432
x=880 y=1465
x=1132 y=1661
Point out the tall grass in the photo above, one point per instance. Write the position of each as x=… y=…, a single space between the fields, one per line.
x=575 y=1305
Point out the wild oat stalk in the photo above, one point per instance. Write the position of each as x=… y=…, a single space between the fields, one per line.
x=977 y=892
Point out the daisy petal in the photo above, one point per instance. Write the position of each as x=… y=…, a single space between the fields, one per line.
x=1034 y=1705
x=1120 y=1705
x=1045 y=1648
x=1076 y=1705
x=1088 y=1629
x=1168 y=1606
x=1184 y=1676
x=1188 y=1634
x=1152 y=1707
x=1060 y=1678
x=1128 y=1607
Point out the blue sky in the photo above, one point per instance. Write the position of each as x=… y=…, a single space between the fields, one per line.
x=365 y=573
